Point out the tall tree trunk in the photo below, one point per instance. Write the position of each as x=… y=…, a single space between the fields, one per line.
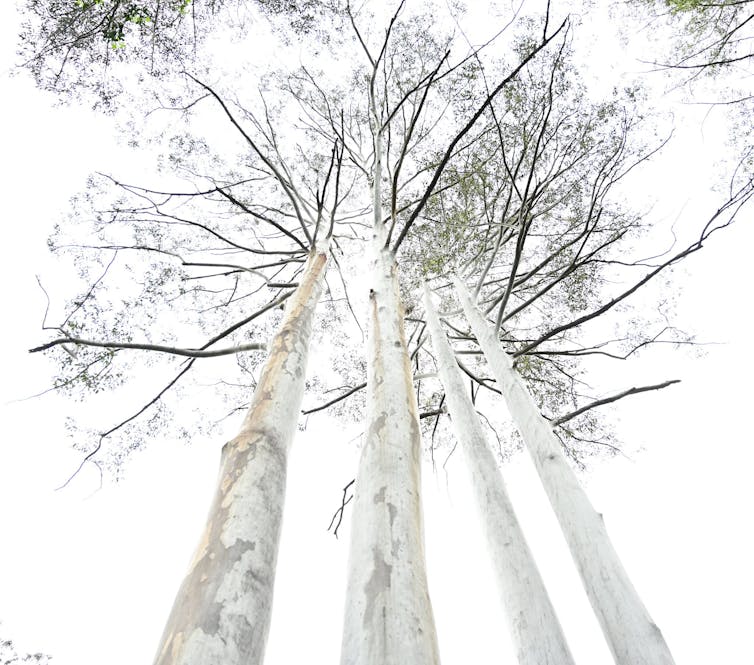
x=632 y=636
x=532 y=621
x=221 y=615
x=388 y=612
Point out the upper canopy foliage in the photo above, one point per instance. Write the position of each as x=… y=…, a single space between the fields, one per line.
x=716 y=34
x=79 y=48
x=496 y=163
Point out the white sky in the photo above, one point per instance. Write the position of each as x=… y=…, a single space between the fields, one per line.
x=90 y=578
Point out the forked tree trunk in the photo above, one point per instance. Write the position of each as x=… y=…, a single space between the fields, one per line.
x=532 y=622
x=388 y=613
x=632 y=636
x=221 y=615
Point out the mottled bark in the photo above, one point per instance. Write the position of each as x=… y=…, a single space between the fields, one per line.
x=221 y=614
x=532 y=622
x=632 y=636
x=388 y=612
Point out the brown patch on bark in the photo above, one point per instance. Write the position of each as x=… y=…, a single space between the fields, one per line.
x=203 y=546
x=196 y=605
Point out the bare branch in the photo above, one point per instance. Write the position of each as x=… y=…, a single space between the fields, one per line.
x=343 y=396
x=339 y=512
x=284 y=183
x=613 y=398
x=731 y=207
x=88 y=457
x=189 y=353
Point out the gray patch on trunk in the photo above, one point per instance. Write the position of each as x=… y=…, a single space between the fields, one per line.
x=379 y=581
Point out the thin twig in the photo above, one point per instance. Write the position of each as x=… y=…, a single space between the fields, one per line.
x=339 y=512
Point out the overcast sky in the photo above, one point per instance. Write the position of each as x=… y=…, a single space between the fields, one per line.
x=89 y=578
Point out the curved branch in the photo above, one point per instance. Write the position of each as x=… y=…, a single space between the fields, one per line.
x=339 y=512
x=613 y=398
x=733 y=205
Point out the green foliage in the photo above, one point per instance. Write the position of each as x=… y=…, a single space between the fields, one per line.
x=440 y=241
x=73 y=47
x=683 y=5
x=118 y=15
x=182 y=6
x=712 y=34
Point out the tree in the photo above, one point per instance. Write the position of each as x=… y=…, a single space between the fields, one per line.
x=538 y=250
x=531 y=618
x=428 y=143
x=200 y=621
x=223 y=609
x=632 y=635
x=388 y=613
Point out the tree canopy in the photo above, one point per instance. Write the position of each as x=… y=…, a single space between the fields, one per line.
x=506 y=172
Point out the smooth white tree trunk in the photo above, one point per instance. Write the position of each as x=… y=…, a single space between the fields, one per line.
x=388 y=617
x=532 y=622
x=633 y=638
x=221 y=615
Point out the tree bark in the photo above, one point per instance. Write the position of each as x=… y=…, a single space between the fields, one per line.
x=221 y=615
x=388 y=612
x=532 y=622
x=633 y=638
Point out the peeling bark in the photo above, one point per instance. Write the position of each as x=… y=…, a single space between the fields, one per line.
x=221 y=615
x=633 y=638
x=388 y=612
x=532 y=622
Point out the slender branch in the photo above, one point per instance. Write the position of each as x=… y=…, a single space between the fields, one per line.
x=189 y=353
x=88 y=457
x=612 y=398
x=263 y=218
x=80 y=302
x=188 y=366
x=287 y=186
x=340 y=397
x=481 y=381
x=737 y=200
x=451 y=146
x=279 y=300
